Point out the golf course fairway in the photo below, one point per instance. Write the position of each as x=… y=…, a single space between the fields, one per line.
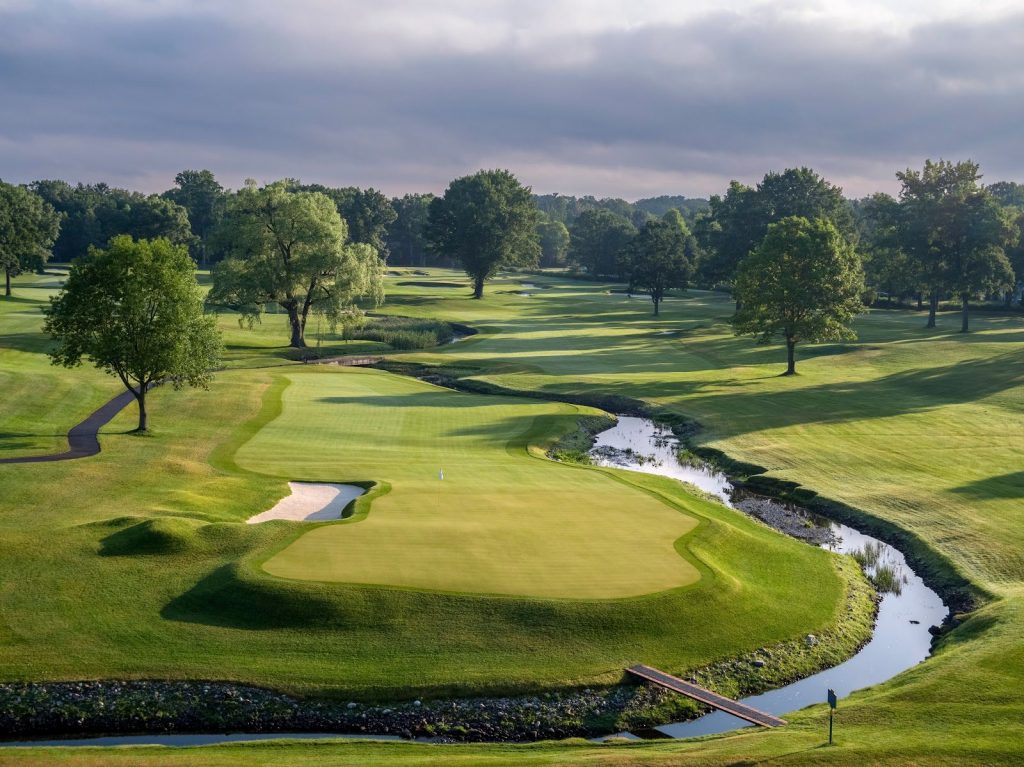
x=499 y=522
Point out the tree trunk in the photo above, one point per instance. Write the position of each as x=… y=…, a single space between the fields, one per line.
x=933 y=306
x=298 y=328
x=790 y=356
x=140 y=397
x=657 y=302
x=965 y=311
x=478 y=287
x=7 y=272
x=920 y=302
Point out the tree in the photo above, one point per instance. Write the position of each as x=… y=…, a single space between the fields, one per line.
x=554 y=242
x=135 y=310
x=954 y=231
x=407 y=233
x=977 y=230
x=803 y=282
x=289 y=248
x=93 y=214
x=597 y=240
x=202 y=196
x=888 y=268
x=736 y=223
x=657 y=259
x=367 y=213
x=485 y=221
x=28 y=228
x=153 y=217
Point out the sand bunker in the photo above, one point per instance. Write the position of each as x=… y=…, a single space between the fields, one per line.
x=311 y=502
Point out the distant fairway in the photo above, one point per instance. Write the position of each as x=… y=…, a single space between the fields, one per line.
x=501 y=522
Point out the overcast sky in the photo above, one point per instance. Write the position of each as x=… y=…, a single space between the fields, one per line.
x=628 y=98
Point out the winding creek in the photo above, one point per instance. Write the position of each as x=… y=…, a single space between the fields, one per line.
x=900 y=641
x=901 y=638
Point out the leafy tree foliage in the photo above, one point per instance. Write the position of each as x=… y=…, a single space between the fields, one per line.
x=28 y=228
x=736 y=223
x=407 y=238
x=135 y=310
x=93 y=214
x=485 y=221
x=597 y=241
x=887 y=267
x=554 y=242
x=1007 y=193
x=367 y=213
x=656 y=259
x=203 y=198
x=289 y=248
x=688 y=207
x=954 y=231
x=803 y=282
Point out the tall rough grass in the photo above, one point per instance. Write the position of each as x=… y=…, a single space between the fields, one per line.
x=401 y=333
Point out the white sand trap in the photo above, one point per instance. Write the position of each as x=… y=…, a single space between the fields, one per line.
x=311 y=502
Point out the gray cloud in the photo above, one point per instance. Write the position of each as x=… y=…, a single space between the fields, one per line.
x=403 y=103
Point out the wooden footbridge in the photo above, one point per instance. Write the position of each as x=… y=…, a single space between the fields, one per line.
x=728 y=705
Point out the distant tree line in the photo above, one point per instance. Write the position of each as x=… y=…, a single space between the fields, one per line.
x=946 y=236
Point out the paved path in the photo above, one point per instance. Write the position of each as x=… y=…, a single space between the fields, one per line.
x=83 y=439
x=728 y=705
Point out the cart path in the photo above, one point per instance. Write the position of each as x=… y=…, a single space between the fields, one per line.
x=713 y=699
x=83 y=439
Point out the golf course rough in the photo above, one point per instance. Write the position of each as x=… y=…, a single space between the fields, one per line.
x=499 y=522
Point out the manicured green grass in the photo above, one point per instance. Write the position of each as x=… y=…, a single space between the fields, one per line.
x=137 y=562
x=923 y=428
x=500 y=522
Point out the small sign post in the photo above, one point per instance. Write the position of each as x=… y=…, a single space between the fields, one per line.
x=832 y=699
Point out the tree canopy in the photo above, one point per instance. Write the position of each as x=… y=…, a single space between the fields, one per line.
x=135 y=311
x=289 y=248
x=656 y=258
x=486 y=221
x=803 y=282
x=28 y=228
x=203 y=198
x=954 y=232
x=94 y=213
x=554 y=242
x=737 y=222
x=407 y=238
x=367 y=213
x=597 y=241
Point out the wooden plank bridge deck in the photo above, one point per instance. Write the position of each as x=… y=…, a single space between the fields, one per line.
x=728 y=705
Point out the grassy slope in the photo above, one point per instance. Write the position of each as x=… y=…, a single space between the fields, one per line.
x=923 y=427
x=134 y=564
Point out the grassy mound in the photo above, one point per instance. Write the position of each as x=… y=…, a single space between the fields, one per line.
x=163 y=535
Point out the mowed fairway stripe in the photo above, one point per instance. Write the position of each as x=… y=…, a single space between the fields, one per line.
x=500 y=522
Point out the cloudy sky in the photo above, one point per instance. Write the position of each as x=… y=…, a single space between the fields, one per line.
x=626 y=98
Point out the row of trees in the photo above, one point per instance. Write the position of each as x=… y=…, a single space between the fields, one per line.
x=489 y=221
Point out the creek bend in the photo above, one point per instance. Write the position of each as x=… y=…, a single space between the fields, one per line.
x=901 y=637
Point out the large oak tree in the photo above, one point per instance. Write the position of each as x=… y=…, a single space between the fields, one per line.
x=485 y=221
x=289 y=248
x=656 y=258
x=136 y=311
x=803 y=282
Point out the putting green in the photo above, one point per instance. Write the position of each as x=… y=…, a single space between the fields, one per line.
x=500 y=522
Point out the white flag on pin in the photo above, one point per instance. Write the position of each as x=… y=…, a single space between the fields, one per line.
x=440 y=474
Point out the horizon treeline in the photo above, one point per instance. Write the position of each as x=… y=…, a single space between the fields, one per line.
x=911 y=246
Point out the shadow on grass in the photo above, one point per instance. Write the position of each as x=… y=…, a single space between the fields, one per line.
x=1004 y=486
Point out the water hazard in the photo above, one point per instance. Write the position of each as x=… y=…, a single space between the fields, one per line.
x=901 y=638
